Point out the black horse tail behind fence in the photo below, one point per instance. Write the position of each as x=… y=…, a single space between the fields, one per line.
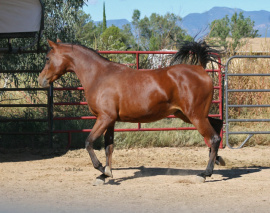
x=195 y=53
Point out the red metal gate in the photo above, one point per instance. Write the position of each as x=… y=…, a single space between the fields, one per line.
x=217 y=87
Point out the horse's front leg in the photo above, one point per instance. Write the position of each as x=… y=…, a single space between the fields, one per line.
x=109 y=137
x=99 y=128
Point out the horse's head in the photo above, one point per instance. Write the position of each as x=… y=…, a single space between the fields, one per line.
x=56 y=65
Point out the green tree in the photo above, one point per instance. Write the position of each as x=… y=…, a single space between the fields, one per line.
x=112 y=33
x=135 y=22
x=155 y=32
x=104 y=18
x=61 y=18
x=87 y=32
x=115 y=39
x=220 y=28
x=154 y=43
x=241 y=27
x=228 y=33
x=130 y=39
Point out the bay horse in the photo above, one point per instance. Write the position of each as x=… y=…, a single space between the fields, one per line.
x=115 y=92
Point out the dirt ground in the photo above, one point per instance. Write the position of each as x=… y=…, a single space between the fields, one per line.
x=145 y=180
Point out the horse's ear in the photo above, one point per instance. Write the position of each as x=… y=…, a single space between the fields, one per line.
x=58 y=41
x=51 y=43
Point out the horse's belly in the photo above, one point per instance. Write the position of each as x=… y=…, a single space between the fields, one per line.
x=142 y=119
x=145 y=117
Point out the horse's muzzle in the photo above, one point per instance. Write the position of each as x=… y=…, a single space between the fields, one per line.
x=43 y=82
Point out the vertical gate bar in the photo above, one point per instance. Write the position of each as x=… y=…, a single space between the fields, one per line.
x=226 y=100
x=138 y=67
x=137 y=61
x=50 y=115
x=220 y=99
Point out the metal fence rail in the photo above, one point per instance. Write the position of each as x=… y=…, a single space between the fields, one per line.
x=227 y=91
x=48 y=105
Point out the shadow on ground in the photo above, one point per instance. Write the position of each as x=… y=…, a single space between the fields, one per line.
x=227 y=174
x=20 y=155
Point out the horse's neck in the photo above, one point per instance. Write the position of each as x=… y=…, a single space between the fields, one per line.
x=88 y=66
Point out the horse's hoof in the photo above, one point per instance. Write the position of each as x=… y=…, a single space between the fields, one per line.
x=221 y=161
x=200 y=179
x=100 y=180
x=108 y=171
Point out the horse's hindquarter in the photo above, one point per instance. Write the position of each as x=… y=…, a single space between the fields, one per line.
x=193 y=88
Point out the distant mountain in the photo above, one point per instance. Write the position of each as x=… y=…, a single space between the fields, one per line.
x=198 y=23
x=116 y=22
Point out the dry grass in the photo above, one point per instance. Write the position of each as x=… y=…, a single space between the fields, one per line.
x=158 y=138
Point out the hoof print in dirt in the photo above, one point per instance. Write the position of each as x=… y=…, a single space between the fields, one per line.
x=100 y=180
x=199 y=179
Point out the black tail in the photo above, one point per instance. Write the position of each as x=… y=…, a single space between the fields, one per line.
x=217 y=124
x=195 y=53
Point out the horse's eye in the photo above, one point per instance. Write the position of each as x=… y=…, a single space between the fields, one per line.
x=47 y=59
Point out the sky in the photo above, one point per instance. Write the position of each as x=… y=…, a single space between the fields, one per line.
x=123 y=9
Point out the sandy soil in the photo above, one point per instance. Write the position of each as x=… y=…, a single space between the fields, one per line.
x=145 y=180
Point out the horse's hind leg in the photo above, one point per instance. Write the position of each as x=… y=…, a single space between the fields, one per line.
x=109 y=137
x=208 y=132
x=217 y=124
